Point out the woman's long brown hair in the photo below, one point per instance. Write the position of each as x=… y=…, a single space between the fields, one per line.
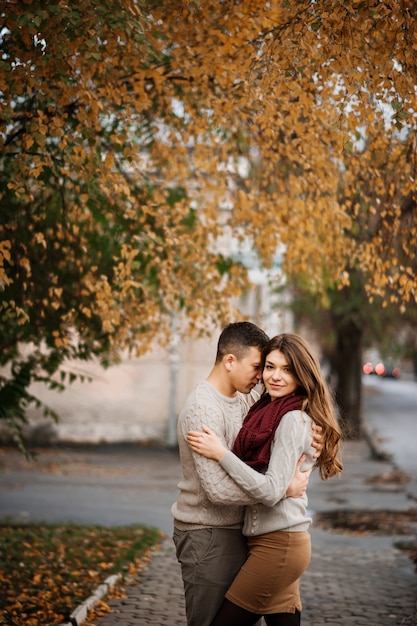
x=319 y=404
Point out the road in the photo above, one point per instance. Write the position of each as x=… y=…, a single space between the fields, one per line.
x=108 y=485
x=121 y=485
x=390 y=409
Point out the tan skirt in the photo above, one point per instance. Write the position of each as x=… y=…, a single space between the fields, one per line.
x=268 y=581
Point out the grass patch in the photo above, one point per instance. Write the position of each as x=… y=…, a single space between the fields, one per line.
x=46 y=570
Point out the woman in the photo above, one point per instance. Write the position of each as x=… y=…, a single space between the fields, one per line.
x=275 y=433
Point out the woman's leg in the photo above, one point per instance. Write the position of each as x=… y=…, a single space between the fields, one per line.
x=283 y=619
x=230 y=613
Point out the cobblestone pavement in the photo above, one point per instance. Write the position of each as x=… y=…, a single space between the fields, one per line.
x=359 y=585
x=354 y=578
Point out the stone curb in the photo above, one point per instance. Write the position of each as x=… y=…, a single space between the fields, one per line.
x=376 y=452
x=79 y=614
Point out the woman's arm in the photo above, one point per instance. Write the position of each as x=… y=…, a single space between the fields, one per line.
x=206 y=443
x=214 y=481
x=292 y=440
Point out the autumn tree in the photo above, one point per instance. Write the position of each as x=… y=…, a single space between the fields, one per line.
x=97 y=252
x=375 y=170
x=330 y=134
x=384 y=215
x=124 y=126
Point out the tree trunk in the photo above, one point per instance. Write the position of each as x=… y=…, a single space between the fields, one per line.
x=346 y=364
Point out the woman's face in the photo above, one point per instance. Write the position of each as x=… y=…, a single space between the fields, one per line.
x=278 y=378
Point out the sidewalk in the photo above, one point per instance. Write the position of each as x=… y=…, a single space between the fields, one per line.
x=354 y=579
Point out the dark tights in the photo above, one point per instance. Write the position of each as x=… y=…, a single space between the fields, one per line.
x=283 y=619
x=230 y=614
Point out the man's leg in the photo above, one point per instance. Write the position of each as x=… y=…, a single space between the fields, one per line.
x=210 y=559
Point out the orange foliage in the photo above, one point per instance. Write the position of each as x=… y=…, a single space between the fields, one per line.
x=285 y=124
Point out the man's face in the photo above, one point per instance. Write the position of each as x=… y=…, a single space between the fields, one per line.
x=246 y=373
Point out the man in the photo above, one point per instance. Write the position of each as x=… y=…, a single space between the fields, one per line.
x=208 y=514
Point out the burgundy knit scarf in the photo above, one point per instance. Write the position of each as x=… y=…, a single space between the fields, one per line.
x=254 y=440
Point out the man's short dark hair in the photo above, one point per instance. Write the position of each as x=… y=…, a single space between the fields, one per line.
x=238 y=337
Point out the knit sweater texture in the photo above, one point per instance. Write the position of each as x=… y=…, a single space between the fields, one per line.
x=273 y=510
x=208 y=496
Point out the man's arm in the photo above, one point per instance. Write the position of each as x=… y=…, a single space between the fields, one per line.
x=317 y=437
x=299 y=482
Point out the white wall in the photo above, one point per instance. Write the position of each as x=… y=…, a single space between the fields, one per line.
x=139 y=399
x=131 y=401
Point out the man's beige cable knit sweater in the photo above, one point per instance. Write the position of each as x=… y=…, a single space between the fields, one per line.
x=208 y=496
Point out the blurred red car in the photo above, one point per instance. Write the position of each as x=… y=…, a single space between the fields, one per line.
x=380 y=369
